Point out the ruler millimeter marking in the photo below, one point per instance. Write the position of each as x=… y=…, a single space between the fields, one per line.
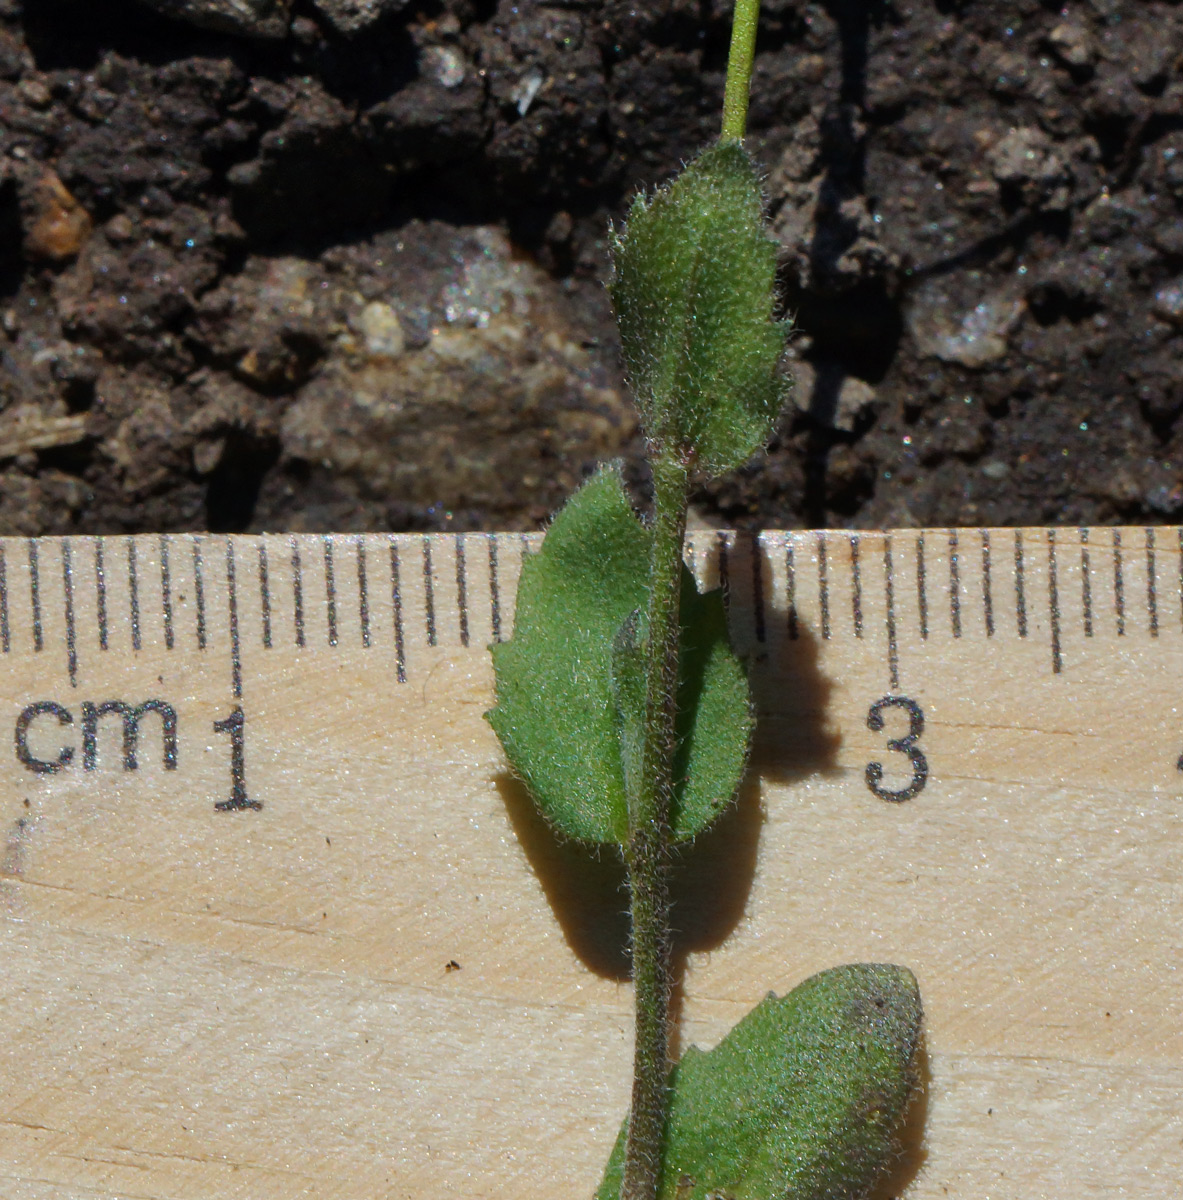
x=71 y=599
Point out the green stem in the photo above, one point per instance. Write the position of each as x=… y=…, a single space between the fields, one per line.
x=648 y=851
x=739 y=68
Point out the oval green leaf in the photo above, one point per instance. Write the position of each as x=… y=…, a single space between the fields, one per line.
x=567 y=709
x=694 y=294
x=802 y=1100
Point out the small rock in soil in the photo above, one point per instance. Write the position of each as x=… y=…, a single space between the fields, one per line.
x=1168 y=302
x=1026 y=162
x=56 y=225
x=1072 y=43
x=28 y=427
x=496 y=401
x=974 y=338
x=254 y=18
x=352 y=16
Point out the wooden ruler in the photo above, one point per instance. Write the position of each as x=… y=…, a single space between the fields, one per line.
x=277 y=924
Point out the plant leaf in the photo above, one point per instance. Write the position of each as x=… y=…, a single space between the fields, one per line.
x=570 y=707
x=627 y=678
x=694 y=293
x=802 y=1100
x=555 y=714
x=715 y=718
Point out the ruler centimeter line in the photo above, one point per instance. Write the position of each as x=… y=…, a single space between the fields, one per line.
x=51 y=571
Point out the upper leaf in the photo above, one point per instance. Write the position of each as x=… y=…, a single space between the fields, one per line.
x=569 y=693
x=802 y=1100
x=694 y=293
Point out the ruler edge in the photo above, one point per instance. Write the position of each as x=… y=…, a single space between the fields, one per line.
x=431 y=575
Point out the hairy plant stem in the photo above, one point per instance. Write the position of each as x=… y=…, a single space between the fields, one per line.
x=648 y=851
x=739 y=68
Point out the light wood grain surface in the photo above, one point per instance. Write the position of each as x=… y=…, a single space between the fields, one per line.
x=390 y=981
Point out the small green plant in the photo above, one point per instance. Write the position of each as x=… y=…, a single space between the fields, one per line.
x=623 y=707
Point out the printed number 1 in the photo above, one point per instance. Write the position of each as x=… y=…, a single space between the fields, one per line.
x=905 y=745
x=235 y=725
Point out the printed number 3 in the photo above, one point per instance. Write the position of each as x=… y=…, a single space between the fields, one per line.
x=905 y=745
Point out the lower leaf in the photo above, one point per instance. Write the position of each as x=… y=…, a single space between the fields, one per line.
x=802 y=1100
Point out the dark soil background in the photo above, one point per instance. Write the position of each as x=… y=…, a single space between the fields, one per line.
x=336 y=264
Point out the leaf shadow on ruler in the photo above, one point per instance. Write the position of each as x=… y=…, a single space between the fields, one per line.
x=795 y=738
x=585 y=885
